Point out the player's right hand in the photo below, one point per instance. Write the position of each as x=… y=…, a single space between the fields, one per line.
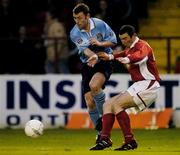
x=104 y=56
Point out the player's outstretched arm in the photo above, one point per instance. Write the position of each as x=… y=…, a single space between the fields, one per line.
x=104 y=56
x=94 y=41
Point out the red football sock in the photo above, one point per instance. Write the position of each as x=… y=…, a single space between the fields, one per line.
x=124 y=122
x=108 y=121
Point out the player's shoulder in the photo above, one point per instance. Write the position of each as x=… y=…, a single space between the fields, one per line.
x=97 y=21
x=142 y=43
x=74 y=31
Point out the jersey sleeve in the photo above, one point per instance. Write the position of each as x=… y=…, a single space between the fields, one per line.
x=119 y=54
x=109 y=34
x=80 y=44
x=140 y=53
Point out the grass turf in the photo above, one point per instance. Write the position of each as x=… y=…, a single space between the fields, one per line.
x=77 y=142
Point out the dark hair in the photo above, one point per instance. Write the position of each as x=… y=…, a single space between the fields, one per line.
x=81 y=7
x=129 y=29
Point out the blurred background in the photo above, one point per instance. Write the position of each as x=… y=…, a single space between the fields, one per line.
x=25 y=26
x=40 y=66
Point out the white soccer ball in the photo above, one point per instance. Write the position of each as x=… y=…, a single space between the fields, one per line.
x=34 y=128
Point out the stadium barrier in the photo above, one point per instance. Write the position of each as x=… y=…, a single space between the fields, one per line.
x=150 y=119
x=53 y=98
x=79 y=120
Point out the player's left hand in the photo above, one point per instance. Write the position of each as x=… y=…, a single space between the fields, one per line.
x=92 y=60
x=103 y=56
x=94 y=41
x=124 y=60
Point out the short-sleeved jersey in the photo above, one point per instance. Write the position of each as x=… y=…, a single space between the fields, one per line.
x=99 y=30
x=142 y=64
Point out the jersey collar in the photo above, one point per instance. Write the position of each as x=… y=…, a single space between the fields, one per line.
x=92 y=25
x=135 y=41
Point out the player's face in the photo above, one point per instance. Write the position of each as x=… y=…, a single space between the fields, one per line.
x=126 y=40
x=81 y=20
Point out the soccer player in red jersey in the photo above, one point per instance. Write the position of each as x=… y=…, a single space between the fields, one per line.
x=139 y=58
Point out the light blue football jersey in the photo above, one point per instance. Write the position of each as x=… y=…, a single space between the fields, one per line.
x=99 y=30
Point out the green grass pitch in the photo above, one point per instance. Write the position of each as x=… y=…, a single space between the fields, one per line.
x=78 y=142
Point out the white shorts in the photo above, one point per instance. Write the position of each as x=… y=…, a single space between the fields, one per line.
x=144 y=93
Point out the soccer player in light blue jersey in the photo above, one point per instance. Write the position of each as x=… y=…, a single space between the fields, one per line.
x=92 y=35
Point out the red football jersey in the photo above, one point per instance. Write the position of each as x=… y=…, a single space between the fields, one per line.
x=142 y=64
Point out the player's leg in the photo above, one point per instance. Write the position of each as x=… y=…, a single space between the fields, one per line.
x=102 y=72
x=122 y=102
x=96 y=85
x=93 y=112
x=108 y=121
x=140 y=95
x=108 y=118
x=117 y=106
x=87 y=74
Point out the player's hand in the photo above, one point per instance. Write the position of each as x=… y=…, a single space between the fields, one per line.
x=124 y=60
x=103 y=56
x=92 y=60
x=94 y=41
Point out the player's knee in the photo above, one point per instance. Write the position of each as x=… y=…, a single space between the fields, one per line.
x=94 y=88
